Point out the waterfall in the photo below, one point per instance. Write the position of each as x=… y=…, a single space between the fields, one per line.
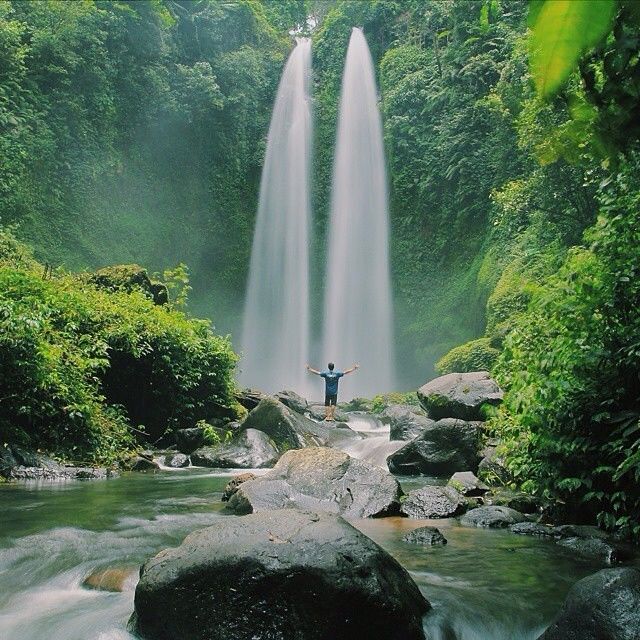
x=275 y=338
x=358 y=302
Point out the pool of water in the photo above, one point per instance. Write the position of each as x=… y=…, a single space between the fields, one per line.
x=482 y=585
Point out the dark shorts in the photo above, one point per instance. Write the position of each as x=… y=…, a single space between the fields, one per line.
x=330 y=399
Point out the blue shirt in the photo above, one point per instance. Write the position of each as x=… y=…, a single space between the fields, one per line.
x=331 y=380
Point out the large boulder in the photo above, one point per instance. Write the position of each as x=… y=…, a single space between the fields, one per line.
x=443 y=448
x=460 y=395
x=292 y=400
x=492 y=517
x=322 y=479
x=277 y=575
x=405 y=421
x=432 y=502
x=250 y=449
x=603 y=606
x=598 y=549
x=288 y=429
x=188 y=440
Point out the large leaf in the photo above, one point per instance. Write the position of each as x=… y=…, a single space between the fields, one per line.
x=562 y=31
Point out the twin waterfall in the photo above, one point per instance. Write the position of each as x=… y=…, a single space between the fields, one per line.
x=357 y=298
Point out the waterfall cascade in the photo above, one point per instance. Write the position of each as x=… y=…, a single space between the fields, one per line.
x=275 y=338
x=358 y=302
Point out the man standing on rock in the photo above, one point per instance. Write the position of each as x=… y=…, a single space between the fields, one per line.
x=331 y=378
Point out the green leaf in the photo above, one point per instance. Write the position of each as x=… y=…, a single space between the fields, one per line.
x=562 y=31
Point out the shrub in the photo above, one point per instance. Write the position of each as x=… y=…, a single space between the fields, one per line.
x=476 y=355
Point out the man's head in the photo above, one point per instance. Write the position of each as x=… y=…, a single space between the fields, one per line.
x=331 y=366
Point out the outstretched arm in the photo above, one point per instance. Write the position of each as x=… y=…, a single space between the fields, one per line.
x=354 y=368
x=312 y=370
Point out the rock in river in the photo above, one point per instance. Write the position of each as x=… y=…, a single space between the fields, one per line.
x=425 y=536
x=492 y=517
x=603 y=606
x=250 y=449
x=277 y=575
x=445 y=447
x=467 y=483
x=322 y=479
x=405 y=421
x=432 y=502
x=460 y=395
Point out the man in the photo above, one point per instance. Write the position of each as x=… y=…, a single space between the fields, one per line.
x=331 y=379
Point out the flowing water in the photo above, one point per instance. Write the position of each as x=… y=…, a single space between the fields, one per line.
x=483 y=585
x=358 y=303
x=374 y=445
x=275 y=337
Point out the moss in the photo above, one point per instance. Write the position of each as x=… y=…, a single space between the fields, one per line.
x=476 y=355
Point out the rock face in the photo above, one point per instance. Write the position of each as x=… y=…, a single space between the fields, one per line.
x=287 y=429
x=250 y=449
x=405 y=421
x=492 y=517
x=445 y=447
x=281 y=575
x=292 y=400
x=425 y=536
x=459 y=395
x=322 y=479
x=432 y=502
x=603 y=606
x=467 y=484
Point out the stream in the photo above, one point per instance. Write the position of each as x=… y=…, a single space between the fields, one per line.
x=483 y=585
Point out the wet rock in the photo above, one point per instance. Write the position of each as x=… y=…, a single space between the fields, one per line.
x=596 y=549
x=603 y=606
x=523 y=502
x=533 y=529
x=405 y=421
x=445 y=447
x=114 y=579
x=176 y=460
x=142 y=464
x=92 y=473
x=282 y=575
x=250 y=398
x=322 y=479
x=580 y=531
x=188 y=440
x=292 y=400
x=318 y=412
x=492 y=517
x=460 y=395
x=250 y=449
x=234 y=483
x=432 y=502
x=468 y=484
x=425 y=536
x=287 y=429
x=492 y=467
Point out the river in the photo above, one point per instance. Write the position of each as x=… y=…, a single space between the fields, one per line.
x=483 y=585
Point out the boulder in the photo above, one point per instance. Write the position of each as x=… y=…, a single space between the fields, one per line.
x=188 y=440
x=140 y=463
x=460 y=395
x=405 y=421
x=518 y=500
x=250 y=398
x=250 y=449
x=287 y=429
x=282 y=575
x=596 y=549
x=468 y=484
x=603 y=606
x=113 y=579
x=425 y=536
x=492 y=517
x=292 y=400
x=322 y=479
x=176 y=460
x=445 y=447
x=234 y=483
x=432 y=502
x=533 y=529
x=492 y=467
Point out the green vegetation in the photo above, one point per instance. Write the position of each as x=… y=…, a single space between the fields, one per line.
x=81 y=364
x=476 y=355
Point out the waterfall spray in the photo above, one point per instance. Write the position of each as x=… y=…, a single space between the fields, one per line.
x=275 y=338
x=358 y=302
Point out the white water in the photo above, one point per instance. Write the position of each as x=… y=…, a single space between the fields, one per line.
x=358 y=302
x=375 y=447
x=275 y=338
